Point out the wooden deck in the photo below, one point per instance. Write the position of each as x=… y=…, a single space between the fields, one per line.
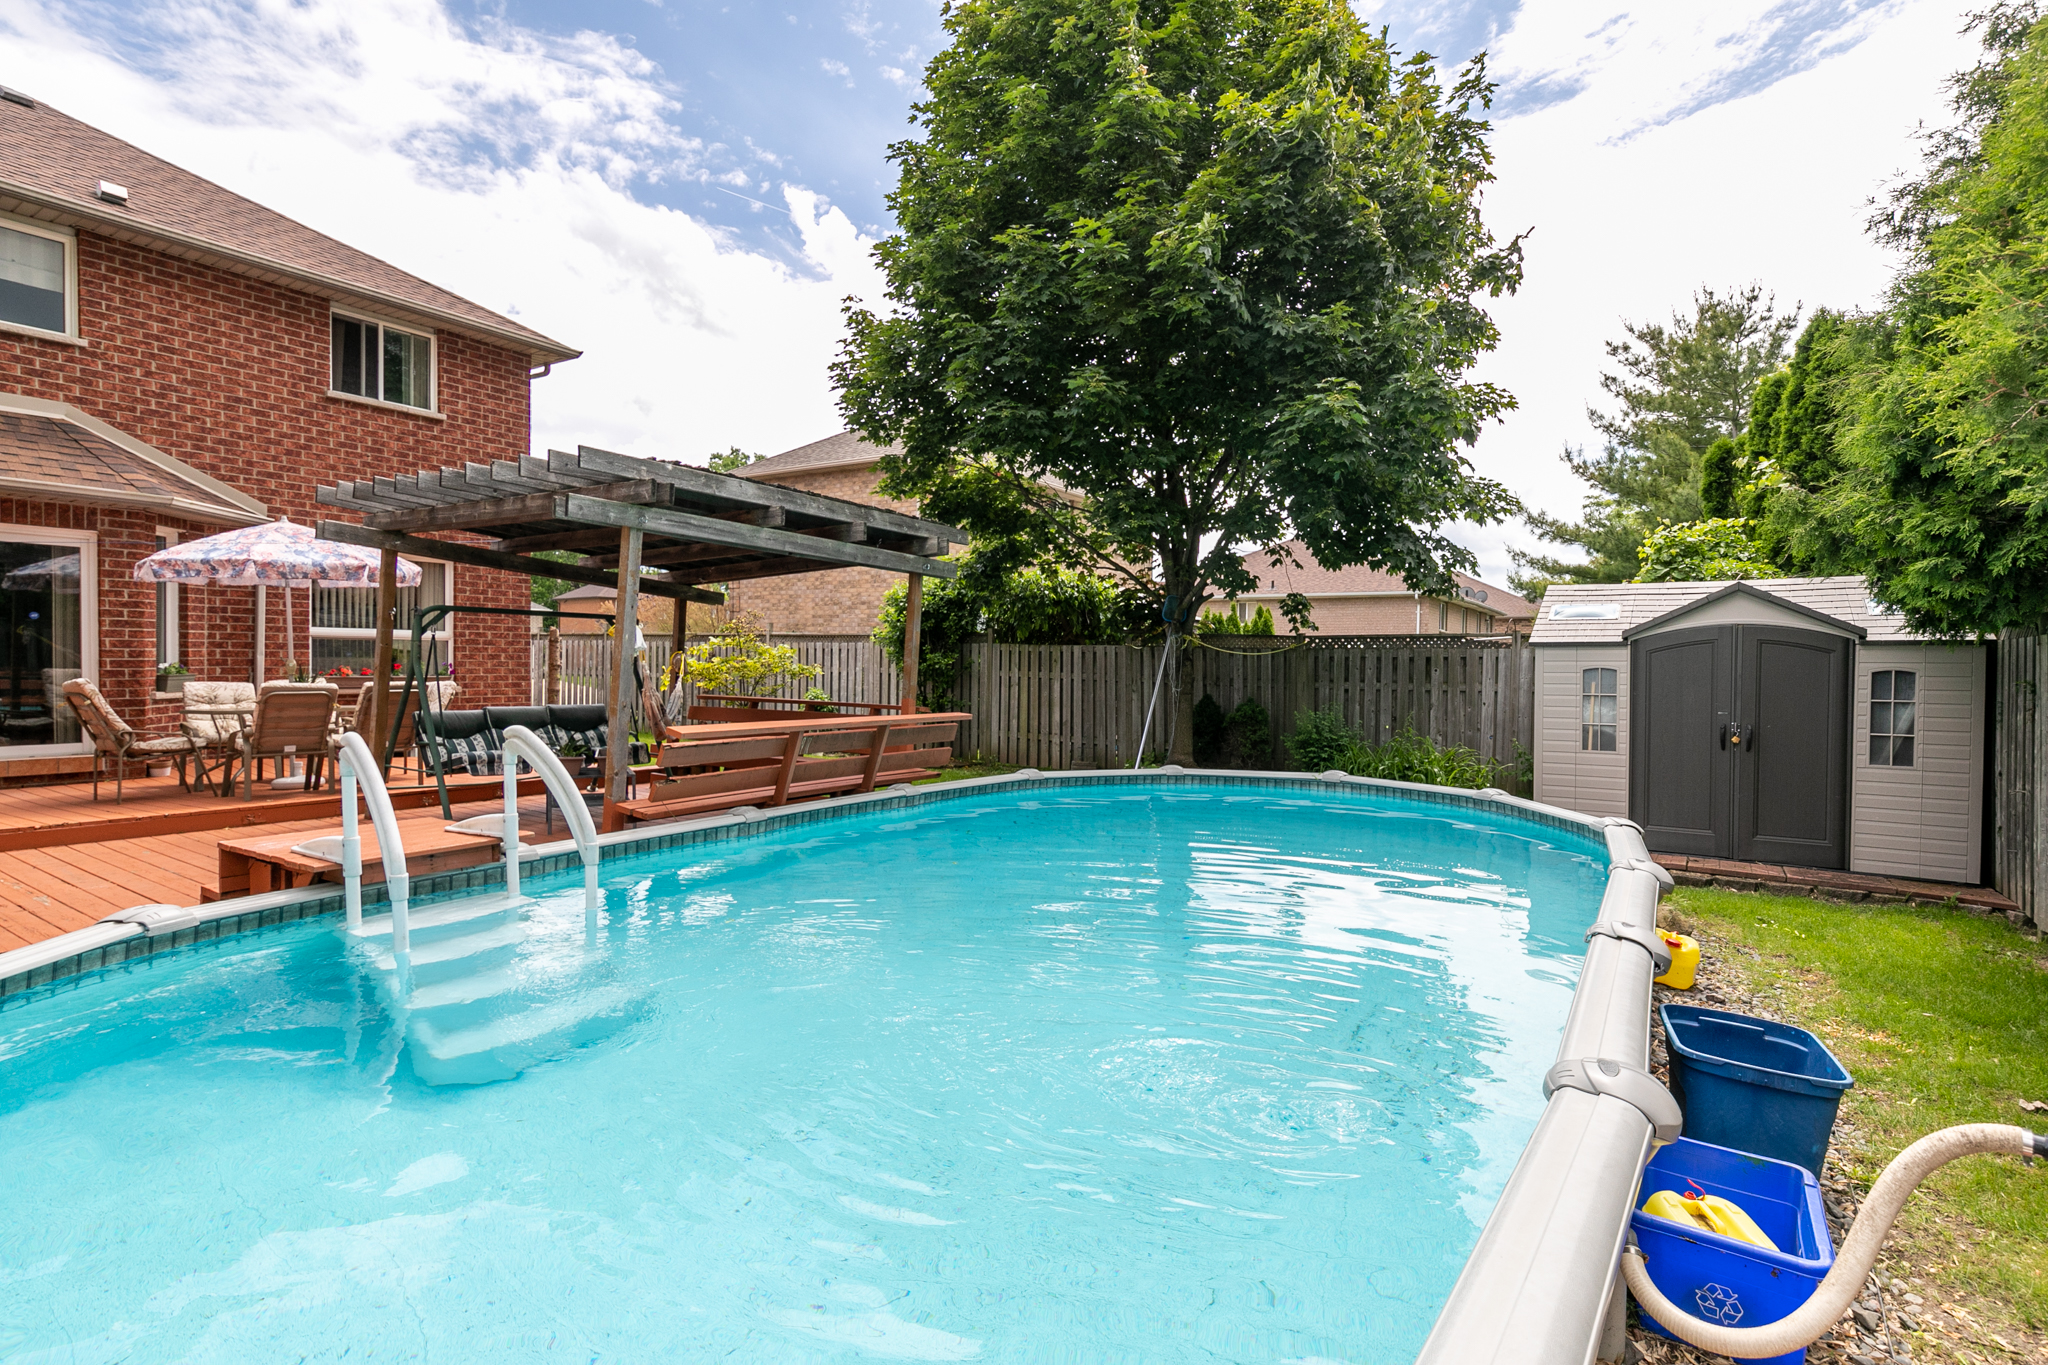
x=1845 y=886
x=65 y=813
x=55 y=888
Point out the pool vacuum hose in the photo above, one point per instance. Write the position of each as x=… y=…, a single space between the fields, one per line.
x=1859 y=1252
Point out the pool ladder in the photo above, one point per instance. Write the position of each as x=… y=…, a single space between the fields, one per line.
x=360 y=768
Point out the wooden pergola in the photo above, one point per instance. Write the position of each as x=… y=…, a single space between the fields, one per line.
x=628 y=515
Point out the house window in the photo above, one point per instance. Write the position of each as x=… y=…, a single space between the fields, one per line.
x=345 y=623
x=1891 y=717
x=1599 y=710
x=48 y=591
x=167 y=611
x=1443 y=618
x=35 y=278
x=384 y=363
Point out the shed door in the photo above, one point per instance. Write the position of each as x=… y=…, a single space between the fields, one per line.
x=1739 y=743
x=1682 y=683
x=1792 y=768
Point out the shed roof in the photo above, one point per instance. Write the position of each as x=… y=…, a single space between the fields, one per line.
x=1845 y=599
x=51 y=166
x=52 y=450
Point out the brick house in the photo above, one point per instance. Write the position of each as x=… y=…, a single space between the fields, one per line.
x=1362 y=601
x=845 y=601
x=176 y=360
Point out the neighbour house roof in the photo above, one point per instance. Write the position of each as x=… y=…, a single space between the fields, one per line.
x=843 y=451
x=51 y=166
x=1607 y=613
x=52 y=450
x=1313 y=580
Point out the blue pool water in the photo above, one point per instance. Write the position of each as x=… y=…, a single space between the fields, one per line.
x=1138 y=1073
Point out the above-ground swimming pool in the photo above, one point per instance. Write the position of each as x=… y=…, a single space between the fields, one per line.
x=1147 y=1072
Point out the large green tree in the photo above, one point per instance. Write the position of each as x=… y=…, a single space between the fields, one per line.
x=1176 y=279
x=1943 y=435
x=1678 y=389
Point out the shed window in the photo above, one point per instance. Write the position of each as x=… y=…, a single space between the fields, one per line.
x=1891 y=717
x=1599 y=710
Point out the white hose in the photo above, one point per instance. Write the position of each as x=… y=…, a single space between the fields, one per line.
x=1859 y=1252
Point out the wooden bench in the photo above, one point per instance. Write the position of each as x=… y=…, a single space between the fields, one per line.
x=269 y=862
x=774 y=764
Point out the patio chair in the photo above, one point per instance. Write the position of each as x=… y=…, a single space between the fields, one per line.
x=213 y=729
x=116 y=743
x=292 y=720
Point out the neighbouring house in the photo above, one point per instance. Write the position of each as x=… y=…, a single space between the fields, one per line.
x=175 y=360
x=1789 y=720
x=1363 y=601
x=657 y=614
x=846 y=601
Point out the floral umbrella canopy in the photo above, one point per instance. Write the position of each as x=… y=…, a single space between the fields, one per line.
x=281 y=552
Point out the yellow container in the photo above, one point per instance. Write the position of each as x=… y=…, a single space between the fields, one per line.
x=1685 y=960
x=1708 y=1213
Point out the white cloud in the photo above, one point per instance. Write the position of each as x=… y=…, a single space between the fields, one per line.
x=501 y=164
x=839 y=69
x=1633 y=209
x=896 y=75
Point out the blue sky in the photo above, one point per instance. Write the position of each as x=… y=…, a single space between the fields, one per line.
x=688 y=190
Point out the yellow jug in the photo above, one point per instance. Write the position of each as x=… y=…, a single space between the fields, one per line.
x=1708 y=1213
x=1685 y=960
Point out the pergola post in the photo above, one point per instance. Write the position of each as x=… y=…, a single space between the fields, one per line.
x=380 y=670
x=913 y=608
x=625 y=696
x=551 y=686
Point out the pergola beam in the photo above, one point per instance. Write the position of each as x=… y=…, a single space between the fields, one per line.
x=483 y=514
x=703 y=483
x=479 y=557
x=693 y=527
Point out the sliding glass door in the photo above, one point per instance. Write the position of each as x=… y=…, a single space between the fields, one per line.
x=48 y=595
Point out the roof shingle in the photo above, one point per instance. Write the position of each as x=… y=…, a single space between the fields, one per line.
x=51 y=166
x=1313 y=580
x=1845 y=598
x=53 y=450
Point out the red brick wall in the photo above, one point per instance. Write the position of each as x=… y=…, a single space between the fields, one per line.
x=831 y=601
x=230 y=375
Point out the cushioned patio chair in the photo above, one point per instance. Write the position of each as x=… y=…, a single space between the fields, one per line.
x=214 y=727
x=292 y=720
x=116 y=743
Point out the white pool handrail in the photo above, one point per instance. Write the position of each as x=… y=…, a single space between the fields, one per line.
x=521 y=742
x=359 y=766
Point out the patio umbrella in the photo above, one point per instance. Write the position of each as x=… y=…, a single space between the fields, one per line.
x=281 y=552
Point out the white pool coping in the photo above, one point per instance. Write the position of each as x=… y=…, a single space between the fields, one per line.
x=1542 y=1287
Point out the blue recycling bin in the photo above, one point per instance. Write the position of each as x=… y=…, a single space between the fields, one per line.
x=1719 y=1278
x=1753 y=1084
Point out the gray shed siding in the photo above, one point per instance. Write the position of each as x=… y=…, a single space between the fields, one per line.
x=1566 y=775
x=1926 y=820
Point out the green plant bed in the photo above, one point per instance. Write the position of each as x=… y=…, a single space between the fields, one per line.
x=1942 y=1018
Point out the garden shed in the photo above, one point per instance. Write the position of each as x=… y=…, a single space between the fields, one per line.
x=1790 y=720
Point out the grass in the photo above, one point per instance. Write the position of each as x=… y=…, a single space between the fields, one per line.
x=1942 y=1018
x=969 y=767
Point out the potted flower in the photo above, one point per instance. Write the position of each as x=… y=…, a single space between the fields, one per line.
x=171 y=677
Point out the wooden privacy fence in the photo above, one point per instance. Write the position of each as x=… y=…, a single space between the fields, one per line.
x=2020 y=773
x=1083 y=706
x=853 y=669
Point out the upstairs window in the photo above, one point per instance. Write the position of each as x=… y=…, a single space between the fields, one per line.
x=383 y=363
x=35 y=279
x=1599 y=710
x=1891 y=717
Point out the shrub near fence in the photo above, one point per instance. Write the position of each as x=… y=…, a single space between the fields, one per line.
x=1083 y=706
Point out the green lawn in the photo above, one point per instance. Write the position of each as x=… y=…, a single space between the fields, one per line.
x=966 y=768
x=1942 y=1017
